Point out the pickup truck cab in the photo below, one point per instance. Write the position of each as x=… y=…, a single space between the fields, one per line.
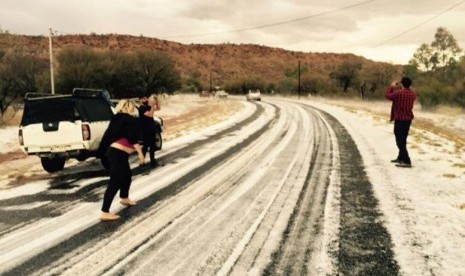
x=58 y=127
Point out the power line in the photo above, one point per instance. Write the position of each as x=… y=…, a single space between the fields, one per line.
x=276 y=23
x=421 y=24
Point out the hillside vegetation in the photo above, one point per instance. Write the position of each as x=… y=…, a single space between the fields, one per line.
x=224 y=64
x=129 y=66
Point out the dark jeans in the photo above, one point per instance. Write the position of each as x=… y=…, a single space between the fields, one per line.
x=401 y=130
x=149 y=144
x=120 y=177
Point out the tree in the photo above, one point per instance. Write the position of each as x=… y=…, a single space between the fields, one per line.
x=9 y=89
x=441 y=74
x=346 y=73
x=119 y=75
x=443 y=51
x=445 y=48
x=379 y=75
x=422 y=58
x=312 y=85
x=123 y=74
x=410 y=70
x=294 y=72
x=156 y=72
x=18 y=74
x=192 y=83
x=244 y=84
x=79 y=67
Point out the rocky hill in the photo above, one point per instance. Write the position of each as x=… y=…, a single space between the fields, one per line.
x=224 y=62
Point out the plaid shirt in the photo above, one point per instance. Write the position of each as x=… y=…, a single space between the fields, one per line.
x=402 y=103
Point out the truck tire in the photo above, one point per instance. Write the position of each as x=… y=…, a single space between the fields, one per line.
x=158 y=141
x=52 y=165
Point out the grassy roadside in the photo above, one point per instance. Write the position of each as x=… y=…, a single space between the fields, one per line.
x=11 y=117
x=379 y=111
x=207 y=112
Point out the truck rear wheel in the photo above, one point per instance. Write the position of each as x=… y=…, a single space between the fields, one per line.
x=52 y=165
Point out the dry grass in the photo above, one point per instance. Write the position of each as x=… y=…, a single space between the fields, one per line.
x=448 y=110
x=208 y=113
x=459 y=165
x=441 y=131
x=379 y=110
x=449 y=175
x=11 y=117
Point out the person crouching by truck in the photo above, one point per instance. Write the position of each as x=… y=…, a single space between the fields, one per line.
x=120 y=140
x=148 y=126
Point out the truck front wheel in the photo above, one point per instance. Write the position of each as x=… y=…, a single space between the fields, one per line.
x=52 y=165
x=158 y=141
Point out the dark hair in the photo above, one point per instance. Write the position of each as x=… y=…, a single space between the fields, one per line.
x=406 y=82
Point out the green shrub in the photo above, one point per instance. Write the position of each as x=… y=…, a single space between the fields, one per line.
x=429 y=98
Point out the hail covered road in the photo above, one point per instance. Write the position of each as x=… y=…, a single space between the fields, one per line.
x=277 y=189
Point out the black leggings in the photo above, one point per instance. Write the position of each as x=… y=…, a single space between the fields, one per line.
x=120 y=177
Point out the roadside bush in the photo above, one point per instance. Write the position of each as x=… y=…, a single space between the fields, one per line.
x=243 y=86
x=459 y=95
x=430 y=95
x=287 y=85
x=192 y=83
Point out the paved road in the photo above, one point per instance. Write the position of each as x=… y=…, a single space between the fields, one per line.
x=278 y=190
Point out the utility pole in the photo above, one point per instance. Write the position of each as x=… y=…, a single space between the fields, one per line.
x=210 y=81
x=51 y=61
x=298 y=87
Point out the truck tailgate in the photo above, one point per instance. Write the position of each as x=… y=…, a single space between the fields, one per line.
x=53 y=137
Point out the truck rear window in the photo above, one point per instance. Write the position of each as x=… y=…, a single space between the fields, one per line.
x=94 y=109
x=51 y=110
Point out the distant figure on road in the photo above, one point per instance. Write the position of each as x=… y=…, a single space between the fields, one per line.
x=148 y=126
x=121 y=136
x=402 y=98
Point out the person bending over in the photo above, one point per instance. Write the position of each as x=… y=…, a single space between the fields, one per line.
x=121 y=136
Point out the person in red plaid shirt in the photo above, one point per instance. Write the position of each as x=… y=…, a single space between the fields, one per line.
x=402 y=98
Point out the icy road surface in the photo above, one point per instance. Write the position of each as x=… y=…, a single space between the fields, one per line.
x=278 y=189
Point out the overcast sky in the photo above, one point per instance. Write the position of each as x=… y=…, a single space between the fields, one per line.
x=382 y=30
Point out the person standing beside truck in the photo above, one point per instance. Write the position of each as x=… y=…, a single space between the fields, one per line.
x=402 y=98
x=121 y=136
x=148 y=126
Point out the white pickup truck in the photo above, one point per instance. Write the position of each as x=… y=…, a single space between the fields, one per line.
x=58 y=127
